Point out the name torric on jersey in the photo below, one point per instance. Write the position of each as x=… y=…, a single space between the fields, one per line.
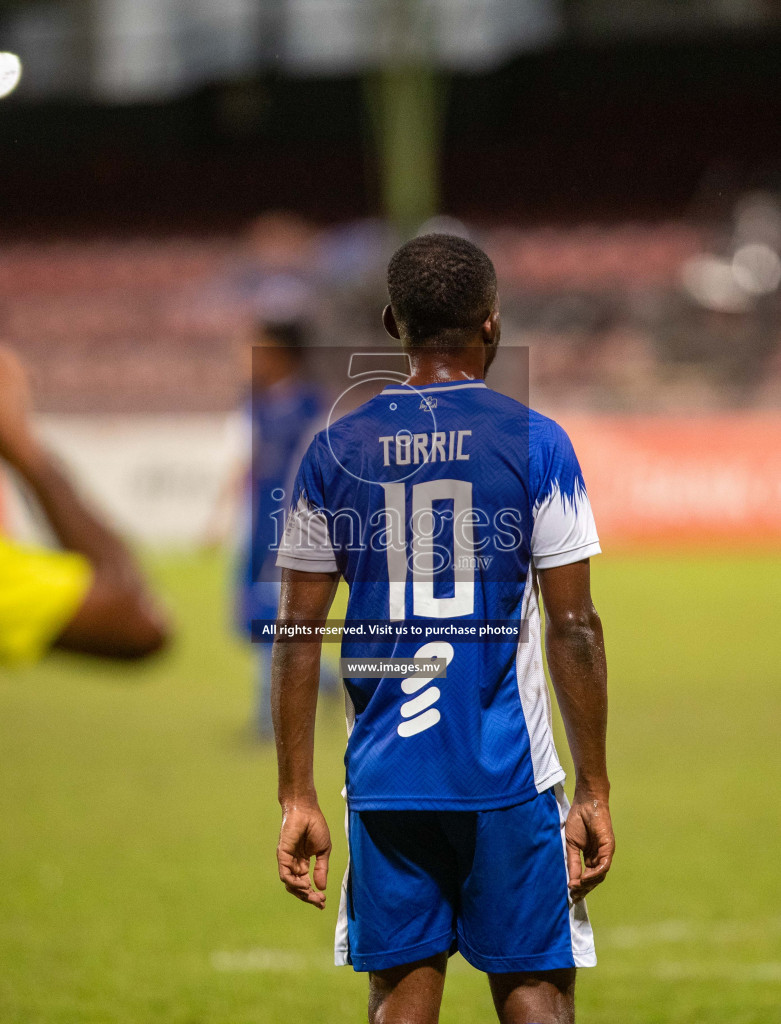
x=406 y=448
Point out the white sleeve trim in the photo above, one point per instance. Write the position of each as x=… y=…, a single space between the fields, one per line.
x=306 y=544
x=306 y=564
x=564 y=528
x=567 y=557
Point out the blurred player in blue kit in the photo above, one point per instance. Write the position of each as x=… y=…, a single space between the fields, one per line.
x=442 y=502
x=281 y=416
x=277 y=420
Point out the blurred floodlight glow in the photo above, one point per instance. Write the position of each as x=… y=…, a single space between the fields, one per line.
x=10 y=73
x=757 y=269
x=711 y=282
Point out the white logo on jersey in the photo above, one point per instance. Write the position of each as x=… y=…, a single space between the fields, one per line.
x=428 y=402
x=419 y=713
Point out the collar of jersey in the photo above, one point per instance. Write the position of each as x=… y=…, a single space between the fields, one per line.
x=444 y=385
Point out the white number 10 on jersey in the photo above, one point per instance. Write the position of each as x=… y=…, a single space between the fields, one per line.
x=426 y=546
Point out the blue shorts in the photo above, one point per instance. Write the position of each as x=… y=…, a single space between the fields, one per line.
x=490 y=884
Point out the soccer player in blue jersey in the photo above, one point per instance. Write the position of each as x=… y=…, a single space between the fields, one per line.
x=448 y=508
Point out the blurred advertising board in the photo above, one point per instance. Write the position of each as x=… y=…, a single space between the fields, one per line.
x=692 y=481
x=156 y=478
x=652 y=481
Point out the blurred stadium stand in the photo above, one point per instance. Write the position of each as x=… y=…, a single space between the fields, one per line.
x=623 y=168
x=148 y=325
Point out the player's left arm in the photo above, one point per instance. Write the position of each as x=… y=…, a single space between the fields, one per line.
x=576 y=658
x=305 y=598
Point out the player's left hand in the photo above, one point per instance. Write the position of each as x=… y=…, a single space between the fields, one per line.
x=589 y=831
x=304 y=834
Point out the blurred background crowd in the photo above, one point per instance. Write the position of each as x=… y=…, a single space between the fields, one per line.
x=631 y=317
x=169 y=170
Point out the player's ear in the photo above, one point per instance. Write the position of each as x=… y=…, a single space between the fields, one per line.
x=491 y=331
x=492 y=328
x=389 y=323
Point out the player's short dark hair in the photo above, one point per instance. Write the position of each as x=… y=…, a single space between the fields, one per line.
x=440 y=285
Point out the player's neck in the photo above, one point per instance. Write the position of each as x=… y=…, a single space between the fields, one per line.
x=437 y=368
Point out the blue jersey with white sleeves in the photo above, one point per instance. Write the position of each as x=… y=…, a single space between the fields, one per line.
x=437 y=504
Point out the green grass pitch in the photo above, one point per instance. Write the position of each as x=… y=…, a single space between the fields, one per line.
x=138 y=823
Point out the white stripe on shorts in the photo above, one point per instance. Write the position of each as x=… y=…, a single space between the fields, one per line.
x=341 y=941
x=583 y=951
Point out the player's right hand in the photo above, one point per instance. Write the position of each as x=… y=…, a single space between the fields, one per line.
x=304 y=834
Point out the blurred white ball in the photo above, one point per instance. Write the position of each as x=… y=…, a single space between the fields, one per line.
x=10 y=73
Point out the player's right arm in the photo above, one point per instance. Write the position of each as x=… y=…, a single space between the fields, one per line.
x=576 y=659
x=564 y=538
x=117 y=616
x=295 y=675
